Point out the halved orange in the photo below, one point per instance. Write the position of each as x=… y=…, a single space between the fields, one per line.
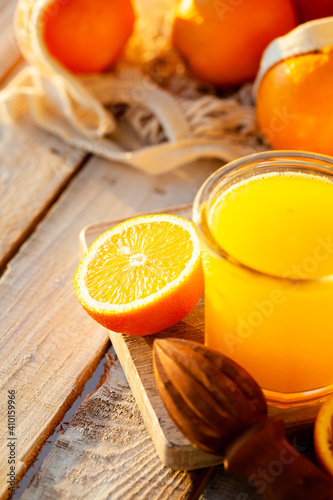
x=323 y=435
x=143 y=275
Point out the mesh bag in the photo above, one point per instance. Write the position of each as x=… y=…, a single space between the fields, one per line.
x=149 y=112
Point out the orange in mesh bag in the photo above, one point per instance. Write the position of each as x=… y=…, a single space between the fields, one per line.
x=87 y=36
x=222 y=41
x=294 y=89
x=171 y=119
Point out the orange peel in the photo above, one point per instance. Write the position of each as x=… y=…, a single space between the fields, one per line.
x=143 y=275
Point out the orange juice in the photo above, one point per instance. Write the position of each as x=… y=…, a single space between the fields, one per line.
x=269 y=279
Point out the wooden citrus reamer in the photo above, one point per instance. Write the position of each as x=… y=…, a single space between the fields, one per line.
x=220 y=408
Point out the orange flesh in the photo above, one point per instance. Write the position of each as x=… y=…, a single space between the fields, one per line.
x=142 y=276
x=130 y=266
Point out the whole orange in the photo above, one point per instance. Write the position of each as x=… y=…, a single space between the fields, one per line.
x=310 y=9
x=87 y=36
x=223 y=40
x=295 y=105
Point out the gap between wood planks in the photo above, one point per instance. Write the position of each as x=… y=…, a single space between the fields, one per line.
x=96 y=380
x=35 y=169
x=107 y=452
x=33 y=222
x=100 y=455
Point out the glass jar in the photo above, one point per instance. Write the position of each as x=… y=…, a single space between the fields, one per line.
x=266 y=226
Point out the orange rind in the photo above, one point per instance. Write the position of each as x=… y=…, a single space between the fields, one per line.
x=143 y=275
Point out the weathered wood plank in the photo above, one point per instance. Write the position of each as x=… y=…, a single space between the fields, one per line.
x=107 y=453
x=34 y=168
x=9 y=51
x=49 y=345
x=230 y=487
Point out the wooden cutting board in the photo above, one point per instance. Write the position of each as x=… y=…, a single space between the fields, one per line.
x=135 y=356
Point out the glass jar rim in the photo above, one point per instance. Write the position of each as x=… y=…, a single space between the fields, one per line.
x=275 y=158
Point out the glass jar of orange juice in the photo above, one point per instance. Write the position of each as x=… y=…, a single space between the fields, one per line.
x=266 y=225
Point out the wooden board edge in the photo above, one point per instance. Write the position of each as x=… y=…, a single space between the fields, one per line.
x=177 y=457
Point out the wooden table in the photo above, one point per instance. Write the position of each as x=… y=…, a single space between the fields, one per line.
x=49 y=347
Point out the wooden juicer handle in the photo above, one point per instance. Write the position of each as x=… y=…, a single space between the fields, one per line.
x=220 y=408
x=274 y=466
